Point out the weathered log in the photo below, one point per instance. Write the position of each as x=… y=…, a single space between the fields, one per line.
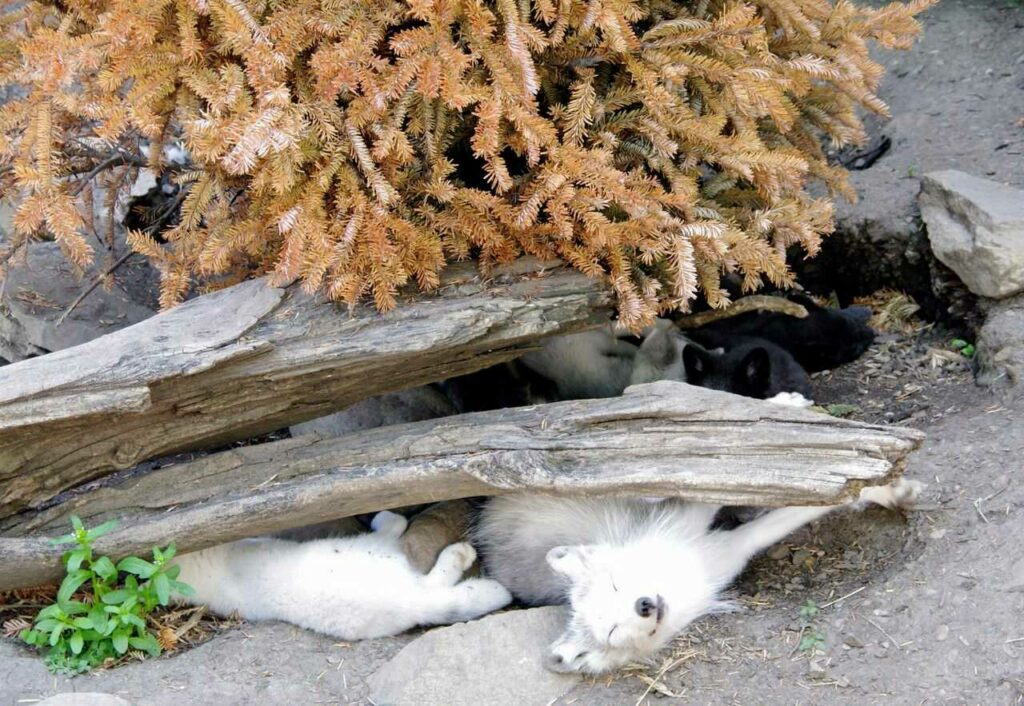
x=253 y=358
x=659 y=439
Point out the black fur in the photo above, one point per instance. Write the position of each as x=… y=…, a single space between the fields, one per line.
x=748 y=366
x=499 y=387
x=157 y=209
x=826 y=339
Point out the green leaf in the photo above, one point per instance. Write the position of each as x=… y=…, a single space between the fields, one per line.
x=64 y=539
x=105 y=568
x=120 y=640
x=76 y=522
x=135 y=620
x=162 y=584
x=76 y=642
x=55 y=635
x=842 y=410
x=84 y=623
x=101 y=529
x=158 y=556
x=75 y=608
x=137 y=566
x=146 y=642
x=73 y=560
x=170 y=551
x=50 y=611
x=115 y=597
x=47 y=624
x=99 y=620
x=71 y=583
x=182 y=588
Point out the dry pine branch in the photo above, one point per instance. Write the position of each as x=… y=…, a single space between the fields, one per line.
x=362 y=145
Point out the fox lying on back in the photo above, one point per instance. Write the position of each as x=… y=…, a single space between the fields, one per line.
x=634 y=573
x=352 y=588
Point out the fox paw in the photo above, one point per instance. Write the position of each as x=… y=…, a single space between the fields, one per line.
x=791 y=399
x=901 y=495
x=460 y=555
x=389 y=523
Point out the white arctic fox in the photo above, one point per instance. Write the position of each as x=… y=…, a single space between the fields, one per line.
x=351 y=588
x=634 y=573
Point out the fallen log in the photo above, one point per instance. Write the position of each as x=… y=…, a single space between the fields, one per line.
x=253 y=358
x=659 y=439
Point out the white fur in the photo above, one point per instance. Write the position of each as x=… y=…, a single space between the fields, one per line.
x=585 y=365
x=604 y=555
x=791 y=399
x=351 y=588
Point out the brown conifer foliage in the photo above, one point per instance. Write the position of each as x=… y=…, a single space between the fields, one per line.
x=360 y=144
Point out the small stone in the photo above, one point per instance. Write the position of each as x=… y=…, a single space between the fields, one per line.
x=852 y=641
x=497 y=660
x=976 y=228
x=779 y=553
x=937 y=534
x=942 y=633
x=84 y=698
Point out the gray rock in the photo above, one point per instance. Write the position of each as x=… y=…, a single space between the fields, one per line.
x=392 y=408
x=1001 y=343
x=38 y=291
x=495 y=661
x=84 y=698
x=976 y=228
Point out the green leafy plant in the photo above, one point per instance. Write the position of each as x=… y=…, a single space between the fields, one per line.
x=114 y=600
x=842 y=410
x=811 y=639
x=966 y=349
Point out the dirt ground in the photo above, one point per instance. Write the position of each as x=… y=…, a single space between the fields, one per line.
x=924 y=609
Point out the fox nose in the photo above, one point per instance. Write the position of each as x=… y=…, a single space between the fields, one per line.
x=645 y=607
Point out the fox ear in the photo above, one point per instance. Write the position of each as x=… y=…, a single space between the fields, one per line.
x=696 y=362
x=571 y=562
x=756 y=369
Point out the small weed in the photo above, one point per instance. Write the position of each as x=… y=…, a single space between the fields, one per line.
x=842 y=410
x=911 y=171
x=811 y=638
x=110 y=618
x=809 y=610
x=966 y=349
x=811 y=641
